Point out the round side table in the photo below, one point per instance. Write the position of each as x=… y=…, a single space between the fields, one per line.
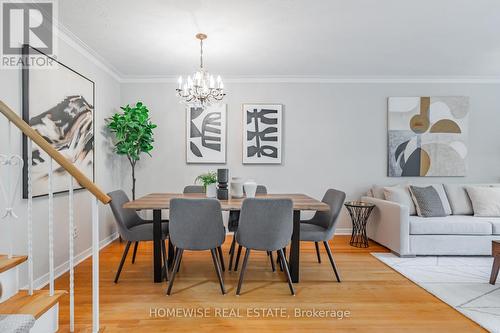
x=359 y=211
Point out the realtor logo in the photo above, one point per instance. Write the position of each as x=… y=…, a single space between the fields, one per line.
x=26 y=22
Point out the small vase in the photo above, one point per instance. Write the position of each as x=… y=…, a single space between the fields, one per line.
x=250 y=188
x=236 y=187
x=211 y=190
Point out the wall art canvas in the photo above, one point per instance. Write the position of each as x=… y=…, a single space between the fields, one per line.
x=59 y=104
x=262 y=133
x=206 y=134
x=428 y=136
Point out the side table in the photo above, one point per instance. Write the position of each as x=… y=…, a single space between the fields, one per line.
x=359 y=211
x=495 y=252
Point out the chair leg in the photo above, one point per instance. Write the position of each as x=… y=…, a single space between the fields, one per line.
x=231 y=252
x=329 y=252
x=270 y=255
x=287 y=272
x=237 y=258
x=178 y=256
x=317 y=252
x=243 y=269
x=124 y=256
x=221 y=258
x=218 y=269
x=135 y=252
x=278 y=258
x=165 y=259
x=178 y=267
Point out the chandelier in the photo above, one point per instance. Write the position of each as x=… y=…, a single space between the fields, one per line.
x=201 y=89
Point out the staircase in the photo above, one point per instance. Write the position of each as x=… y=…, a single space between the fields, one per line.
x=38 y=310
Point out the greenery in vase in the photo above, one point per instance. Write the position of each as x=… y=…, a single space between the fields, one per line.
x=207 y=178
x=133 y=130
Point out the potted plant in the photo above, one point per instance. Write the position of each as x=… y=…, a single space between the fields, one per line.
x=133 y=131
x=209 y=181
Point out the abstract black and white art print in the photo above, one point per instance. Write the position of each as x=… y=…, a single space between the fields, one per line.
x=262 y=133
x=59 y=104
x=206 y=134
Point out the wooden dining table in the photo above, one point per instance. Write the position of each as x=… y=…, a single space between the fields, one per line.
x=160 y=201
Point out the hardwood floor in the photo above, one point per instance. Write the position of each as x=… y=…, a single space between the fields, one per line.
x=372 y=297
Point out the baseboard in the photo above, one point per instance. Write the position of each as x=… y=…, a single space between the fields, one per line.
x=64 y=267
x=343 y=231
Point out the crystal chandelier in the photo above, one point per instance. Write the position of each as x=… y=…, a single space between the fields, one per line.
x=201 y=89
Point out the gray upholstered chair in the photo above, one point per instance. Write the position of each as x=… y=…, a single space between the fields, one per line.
x=194 y=189
x=321 y=227
x=265 y=225
x=233 y=226
x=196 y=225
x=200 y=190
x=132 y=228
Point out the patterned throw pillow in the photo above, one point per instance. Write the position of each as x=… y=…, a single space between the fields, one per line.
x=427 y=201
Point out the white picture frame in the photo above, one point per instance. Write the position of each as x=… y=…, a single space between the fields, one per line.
x=206 y=134
x=264 y=147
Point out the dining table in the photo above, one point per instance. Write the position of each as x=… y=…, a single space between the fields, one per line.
x=157 y=202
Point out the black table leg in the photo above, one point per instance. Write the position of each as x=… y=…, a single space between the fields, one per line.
x=157 y=245
x=295 y=248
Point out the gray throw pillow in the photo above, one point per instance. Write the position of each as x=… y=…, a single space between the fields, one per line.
x=427 y=201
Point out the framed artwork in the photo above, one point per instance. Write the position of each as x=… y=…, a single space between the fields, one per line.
x=59 y=104
x=206 y=134
x=262 y=133
x=427 y=136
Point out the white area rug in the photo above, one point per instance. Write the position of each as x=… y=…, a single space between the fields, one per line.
x=462 y=282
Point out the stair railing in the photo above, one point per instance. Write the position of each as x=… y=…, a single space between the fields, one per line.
x=97 y=195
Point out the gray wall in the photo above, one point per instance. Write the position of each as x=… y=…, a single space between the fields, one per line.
x=335 y=135
x=107 y=98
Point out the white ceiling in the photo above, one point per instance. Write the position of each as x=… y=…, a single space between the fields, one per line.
x=327 y=38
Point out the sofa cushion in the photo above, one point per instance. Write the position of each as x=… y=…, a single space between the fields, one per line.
x=400 y=194
x=485 y=200
x=442 y=195
x=378 y=192
x=495 y=222
x=459 y=199
x=450 y=225
x=427 y=201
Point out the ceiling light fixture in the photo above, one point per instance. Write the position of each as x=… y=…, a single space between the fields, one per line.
x=201 y=89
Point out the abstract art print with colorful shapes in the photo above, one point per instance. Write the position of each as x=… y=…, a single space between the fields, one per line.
x=206 y=134
x=428 y=136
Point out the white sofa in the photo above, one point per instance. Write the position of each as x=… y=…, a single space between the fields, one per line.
x=460 y=233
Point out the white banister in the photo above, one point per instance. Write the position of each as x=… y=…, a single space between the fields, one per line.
x=30 y=217
x=51 y=228
x=71 y=258
x=10 y=221
x=95 y=265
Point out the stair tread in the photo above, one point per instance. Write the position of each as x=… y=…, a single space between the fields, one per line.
x=8 y=263
x=36 y=304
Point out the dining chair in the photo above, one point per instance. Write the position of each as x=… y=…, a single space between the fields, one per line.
x=201 y=190
x=321 y=227
x=132 y=228
x=196 y=225
x=194 y=189
x=233 y=226
x=265 y=225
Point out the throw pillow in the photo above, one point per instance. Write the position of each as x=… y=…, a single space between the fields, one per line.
x=442 y=195
x=485 y=200
x=400 y=195
x=427 y=201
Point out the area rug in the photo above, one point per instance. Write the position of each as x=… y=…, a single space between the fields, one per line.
x=461 y=282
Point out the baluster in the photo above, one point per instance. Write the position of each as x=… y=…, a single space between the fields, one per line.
x=95 y=265
x=51 y=229
x=30 y=217
x=10 y=222
x=71 y=258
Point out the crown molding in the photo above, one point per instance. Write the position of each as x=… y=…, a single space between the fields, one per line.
x=329 y=79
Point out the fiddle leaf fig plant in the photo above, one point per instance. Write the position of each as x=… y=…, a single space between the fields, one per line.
x=133 y=132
